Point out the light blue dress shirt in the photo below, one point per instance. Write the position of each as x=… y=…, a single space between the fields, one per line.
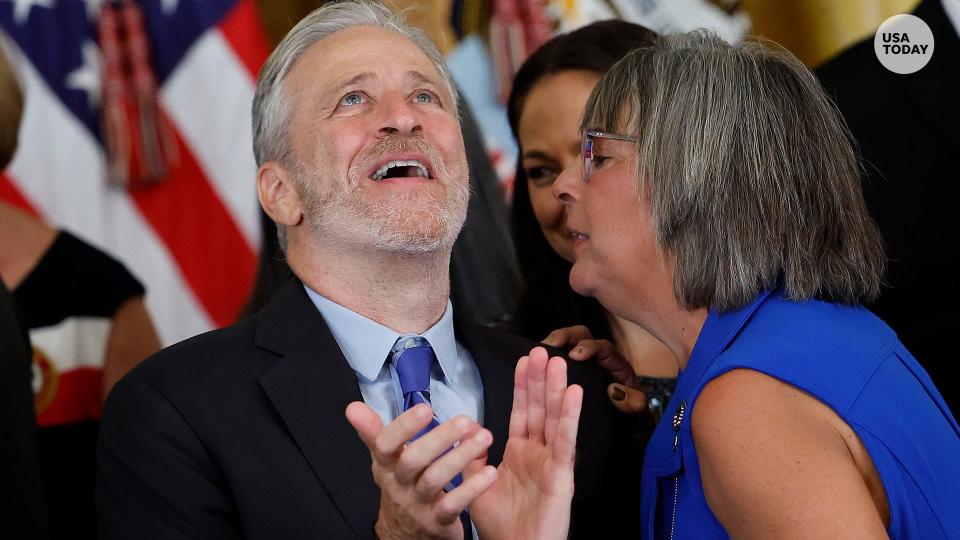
x=455 y=385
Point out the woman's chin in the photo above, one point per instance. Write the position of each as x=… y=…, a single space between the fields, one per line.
x=581 y=279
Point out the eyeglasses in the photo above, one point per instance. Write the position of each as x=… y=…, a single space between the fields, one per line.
x=597 y=144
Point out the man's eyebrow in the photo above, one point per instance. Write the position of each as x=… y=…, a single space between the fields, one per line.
x=419 y=78
x=352 y=81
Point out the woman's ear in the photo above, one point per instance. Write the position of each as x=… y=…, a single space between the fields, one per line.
x=278 y=194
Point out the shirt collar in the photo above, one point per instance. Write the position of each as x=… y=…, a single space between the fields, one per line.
x=366 y=344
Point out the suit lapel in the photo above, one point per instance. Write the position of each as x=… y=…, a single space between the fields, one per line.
x=496 y=371
x=310 y=388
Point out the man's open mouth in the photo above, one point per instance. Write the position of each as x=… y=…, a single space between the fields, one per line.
x=408 y=168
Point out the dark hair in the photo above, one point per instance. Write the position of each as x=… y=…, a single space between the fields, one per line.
x=549 y=302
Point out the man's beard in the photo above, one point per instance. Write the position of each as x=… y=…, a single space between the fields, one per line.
x=417 y=221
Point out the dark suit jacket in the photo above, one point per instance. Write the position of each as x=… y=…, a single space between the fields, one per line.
x=22 y=505
x=241 y=432
x=907 y=128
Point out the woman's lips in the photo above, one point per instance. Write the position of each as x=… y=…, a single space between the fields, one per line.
x=577 y=237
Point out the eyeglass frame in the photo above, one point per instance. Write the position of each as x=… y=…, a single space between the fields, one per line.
x=587 y=152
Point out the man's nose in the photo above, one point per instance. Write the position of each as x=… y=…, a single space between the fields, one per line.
x=566 y=187
x=399 y=117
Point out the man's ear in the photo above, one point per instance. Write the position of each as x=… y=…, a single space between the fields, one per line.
x=278 y=195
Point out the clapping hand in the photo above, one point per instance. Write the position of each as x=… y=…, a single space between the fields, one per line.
x=533 y=491
x=411 y=477
x=528 y=496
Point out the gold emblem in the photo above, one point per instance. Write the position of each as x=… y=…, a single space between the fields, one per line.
x=46 y=379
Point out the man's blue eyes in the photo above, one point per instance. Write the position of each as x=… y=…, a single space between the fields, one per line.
x=352 y=99
x=357 y=98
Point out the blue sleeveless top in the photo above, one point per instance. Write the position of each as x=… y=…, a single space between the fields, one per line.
x=850 y=360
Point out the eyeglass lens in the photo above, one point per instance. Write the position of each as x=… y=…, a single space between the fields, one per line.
x=587 y=150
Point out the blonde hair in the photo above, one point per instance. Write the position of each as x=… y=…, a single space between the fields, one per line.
x=11 y=110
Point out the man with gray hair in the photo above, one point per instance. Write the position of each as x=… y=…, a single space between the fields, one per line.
x=241 y=432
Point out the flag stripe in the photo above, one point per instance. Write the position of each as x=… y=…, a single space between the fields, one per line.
x=12 y=195
x=70 y=189
x=212 y=83
x=198 y=230
x=251 y=47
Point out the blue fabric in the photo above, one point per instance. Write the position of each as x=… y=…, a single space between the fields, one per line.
x=850 y=360
x=413 y=359
x=455 y=384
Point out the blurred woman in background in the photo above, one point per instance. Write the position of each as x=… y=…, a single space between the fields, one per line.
x=90 y=307
x=545 y=108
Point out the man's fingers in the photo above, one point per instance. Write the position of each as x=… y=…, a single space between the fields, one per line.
x=475 y=466
x=449 y=506
x=395 y=434
x=419 y=454
x=566 y=337
x=626 y=399
x=555 y=386
x=439 y=473
x=565 y=442
x=518 y=416
x=536 y=388
x=366 y=421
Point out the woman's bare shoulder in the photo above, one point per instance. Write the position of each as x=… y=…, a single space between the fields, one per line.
x=775 y=461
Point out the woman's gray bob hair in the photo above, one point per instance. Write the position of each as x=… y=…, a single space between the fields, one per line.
x=752 y=180
x=270 y=108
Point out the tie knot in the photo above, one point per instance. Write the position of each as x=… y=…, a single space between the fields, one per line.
x=413 y=359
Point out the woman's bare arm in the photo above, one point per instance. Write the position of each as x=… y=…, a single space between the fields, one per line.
x=777 y=463
x=132 y=338
x=23 y=241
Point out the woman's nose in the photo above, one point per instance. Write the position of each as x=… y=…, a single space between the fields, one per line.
x=567 y=184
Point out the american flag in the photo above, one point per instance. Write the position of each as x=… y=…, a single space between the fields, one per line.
x=191 y=238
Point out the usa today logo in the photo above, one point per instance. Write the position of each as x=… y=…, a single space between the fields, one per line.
x=903 y=44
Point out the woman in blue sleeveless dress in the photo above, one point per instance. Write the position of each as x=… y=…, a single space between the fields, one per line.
x=720 y=208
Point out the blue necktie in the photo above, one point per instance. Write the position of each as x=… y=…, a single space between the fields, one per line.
x=413 y=358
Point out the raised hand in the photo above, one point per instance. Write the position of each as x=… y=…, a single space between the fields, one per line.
x=534 y=486
x=412 y=476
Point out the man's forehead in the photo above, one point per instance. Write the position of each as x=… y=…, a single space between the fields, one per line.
x=411 y=76
x=365 y=45
x=365 y=52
